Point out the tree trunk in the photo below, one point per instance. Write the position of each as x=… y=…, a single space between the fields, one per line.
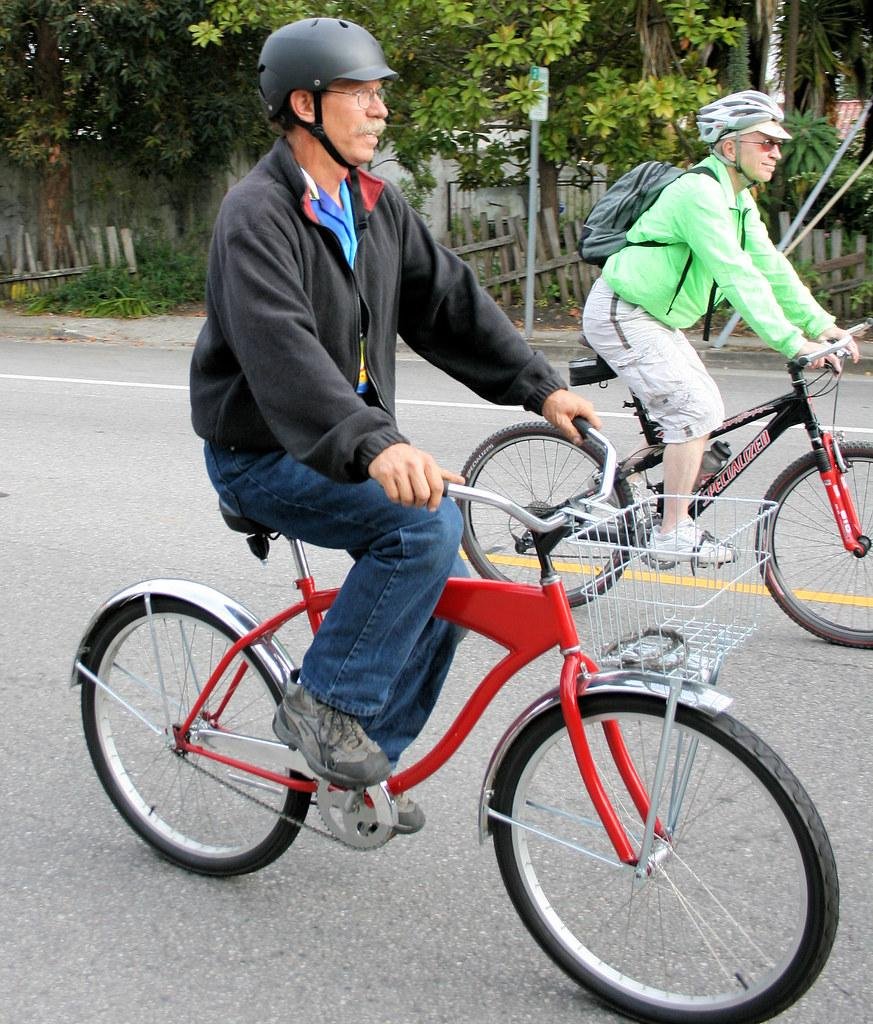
x=548 y=173
x=789 y=48
x=55 y=195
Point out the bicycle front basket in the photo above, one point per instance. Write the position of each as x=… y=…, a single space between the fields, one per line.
x=675 y=614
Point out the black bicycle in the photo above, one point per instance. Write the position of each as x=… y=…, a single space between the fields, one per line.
x=818 y=542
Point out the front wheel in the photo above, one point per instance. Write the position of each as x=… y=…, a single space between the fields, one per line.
x=539 y=469
x=153 y=659
x=738 y=912
x=814 y=580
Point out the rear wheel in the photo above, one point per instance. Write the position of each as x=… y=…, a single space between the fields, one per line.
x=155 y=663
x=813 y=579
x=738 y=913
x=539 y=469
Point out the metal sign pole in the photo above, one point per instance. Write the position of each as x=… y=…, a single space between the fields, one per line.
x=539 y=113
x=533 y=188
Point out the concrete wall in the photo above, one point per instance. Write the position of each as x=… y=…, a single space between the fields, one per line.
x=112 y=194
x=106 y=193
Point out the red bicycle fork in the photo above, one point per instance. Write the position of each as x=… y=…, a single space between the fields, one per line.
x=842 y=504
x=527 y=621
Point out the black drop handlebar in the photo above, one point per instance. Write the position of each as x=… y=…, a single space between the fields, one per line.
x=834 y=348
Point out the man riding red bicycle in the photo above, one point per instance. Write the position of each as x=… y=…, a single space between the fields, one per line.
x=315 y=268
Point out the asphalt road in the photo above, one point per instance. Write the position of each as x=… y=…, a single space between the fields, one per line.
x=102 y=484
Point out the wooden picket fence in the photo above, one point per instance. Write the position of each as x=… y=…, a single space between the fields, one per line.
x=840 y=272
x=497 y=252
x=22 y=273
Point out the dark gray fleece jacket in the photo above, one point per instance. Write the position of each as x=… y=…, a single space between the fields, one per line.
x=276 y=363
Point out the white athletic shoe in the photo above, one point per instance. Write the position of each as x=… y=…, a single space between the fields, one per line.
x=686 y=543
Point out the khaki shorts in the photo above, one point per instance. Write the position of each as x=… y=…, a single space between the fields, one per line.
x=657 y=362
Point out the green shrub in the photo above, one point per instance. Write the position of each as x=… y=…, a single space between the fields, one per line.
x=854 y=209
x=813 y=142
x=167 y=277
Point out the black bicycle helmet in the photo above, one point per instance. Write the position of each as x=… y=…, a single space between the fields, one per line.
x=311 y=54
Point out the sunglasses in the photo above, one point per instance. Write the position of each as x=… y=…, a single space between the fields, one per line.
x=765 y=144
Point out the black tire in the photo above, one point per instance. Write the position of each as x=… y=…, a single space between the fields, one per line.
x=538 y=468
x=740 y=910
x=814 y=580
x=187 y=816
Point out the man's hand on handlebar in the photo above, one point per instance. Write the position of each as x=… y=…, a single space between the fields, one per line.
x=411 y=476
x=562 y=407
x=832 y=360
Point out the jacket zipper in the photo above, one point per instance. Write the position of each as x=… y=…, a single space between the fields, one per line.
x=362 y=340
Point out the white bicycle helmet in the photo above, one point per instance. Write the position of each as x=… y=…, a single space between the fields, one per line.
x=739 y=112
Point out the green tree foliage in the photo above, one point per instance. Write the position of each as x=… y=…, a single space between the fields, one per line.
x=854 y=209
x=811 y=148
x=119 y=77
x=832 y=47
x=617 y=93
x=738 y=64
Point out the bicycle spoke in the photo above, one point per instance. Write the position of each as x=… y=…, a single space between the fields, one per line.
x=724 y=914
x=156 y=661
x=814 y=579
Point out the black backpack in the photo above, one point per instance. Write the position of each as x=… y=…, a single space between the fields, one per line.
x=614 y=214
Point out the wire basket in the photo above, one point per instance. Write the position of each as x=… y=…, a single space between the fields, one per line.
x=677 y=615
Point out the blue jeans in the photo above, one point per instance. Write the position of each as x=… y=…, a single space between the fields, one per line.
x=379 y=654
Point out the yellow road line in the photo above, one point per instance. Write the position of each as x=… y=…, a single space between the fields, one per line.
x=696 y=582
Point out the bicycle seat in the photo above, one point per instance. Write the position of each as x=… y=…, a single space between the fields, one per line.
x=590 y=369
x=241 y=524
x=257 y=535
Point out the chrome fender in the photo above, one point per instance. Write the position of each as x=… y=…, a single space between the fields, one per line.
x=694 y=695
x=269 y=654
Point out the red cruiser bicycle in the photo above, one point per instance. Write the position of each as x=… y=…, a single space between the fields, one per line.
x=656 y=849
x=819 y=570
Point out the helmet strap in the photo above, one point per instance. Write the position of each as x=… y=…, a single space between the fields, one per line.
x=316 y=129
x=735 y=163
x=740 y=171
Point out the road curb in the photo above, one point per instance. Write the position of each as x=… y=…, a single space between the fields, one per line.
x=177 y=332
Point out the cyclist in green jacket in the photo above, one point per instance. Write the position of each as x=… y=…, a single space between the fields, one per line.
x=634 y=316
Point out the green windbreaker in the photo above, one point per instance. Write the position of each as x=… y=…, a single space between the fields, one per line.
x=699 y=213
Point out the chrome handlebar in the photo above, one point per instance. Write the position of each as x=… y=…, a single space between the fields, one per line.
x=461 y=492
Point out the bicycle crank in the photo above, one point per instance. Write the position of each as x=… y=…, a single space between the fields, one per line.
x=357 y=818
x=353 y=827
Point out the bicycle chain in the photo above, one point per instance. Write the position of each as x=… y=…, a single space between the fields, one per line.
x=262 y=803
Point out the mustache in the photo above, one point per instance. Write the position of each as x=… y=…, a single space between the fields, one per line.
x=376 y=128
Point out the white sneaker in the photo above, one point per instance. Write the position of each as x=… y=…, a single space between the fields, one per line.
x=686 y=543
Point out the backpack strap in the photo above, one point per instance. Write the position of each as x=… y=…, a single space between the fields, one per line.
x=707 y=323
x=711 y=304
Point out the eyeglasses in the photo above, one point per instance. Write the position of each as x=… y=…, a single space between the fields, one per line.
x=766 y=144
x=365 y=97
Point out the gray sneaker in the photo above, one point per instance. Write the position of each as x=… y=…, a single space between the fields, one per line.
x=333 y=743
x=410 y=817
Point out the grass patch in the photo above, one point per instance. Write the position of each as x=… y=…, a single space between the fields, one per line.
x=167 y=278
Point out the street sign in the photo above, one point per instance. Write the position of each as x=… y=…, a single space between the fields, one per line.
x=540 y=112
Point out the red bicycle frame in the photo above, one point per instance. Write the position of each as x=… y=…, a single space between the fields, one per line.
x=527 y=621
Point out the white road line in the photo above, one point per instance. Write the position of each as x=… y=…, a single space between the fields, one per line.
x=400 y=401
x=89 y=381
